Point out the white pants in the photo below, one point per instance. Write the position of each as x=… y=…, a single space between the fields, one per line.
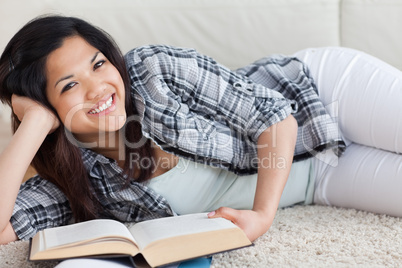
x=365 y=95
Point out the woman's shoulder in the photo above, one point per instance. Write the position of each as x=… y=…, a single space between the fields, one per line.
x=153 y=50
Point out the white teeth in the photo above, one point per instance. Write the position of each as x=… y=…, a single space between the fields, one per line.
x=103 y=107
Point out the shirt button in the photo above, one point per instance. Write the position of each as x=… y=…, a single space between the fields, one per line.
x=237 y=85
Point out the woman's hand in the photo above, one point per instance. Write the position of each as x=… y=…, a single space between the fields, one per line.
x=253 y=223
x=24 y=107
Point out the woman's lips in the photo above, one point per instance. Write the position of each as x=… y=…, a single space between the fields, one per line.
x=104 y=106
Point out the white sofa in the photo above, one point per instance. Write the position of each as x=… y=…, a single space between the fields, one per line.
x=235 y=32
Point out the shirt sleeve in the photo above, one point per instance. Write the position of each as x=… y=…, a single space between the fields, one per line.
x=193 y=103
x=39 y=205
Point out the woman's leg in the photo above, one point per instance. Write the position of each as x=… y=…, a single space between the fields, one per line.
x=362 y=91
x=364 y=94
x=364 y=178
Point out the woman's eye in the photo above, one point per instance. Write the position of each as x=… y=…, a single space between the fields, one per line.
x=99 y=64
x=68 y=86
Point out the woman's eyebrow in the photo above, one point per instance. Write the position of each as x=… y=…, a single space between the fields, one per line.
x=96 y=54
x=63 y=78
x=69 y=76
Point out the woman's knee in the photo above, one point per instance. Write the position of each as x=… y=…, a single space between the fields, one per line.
x=361 y=92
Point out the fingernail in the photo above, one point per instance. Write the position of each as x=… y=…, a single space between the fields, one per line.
x=212 y=213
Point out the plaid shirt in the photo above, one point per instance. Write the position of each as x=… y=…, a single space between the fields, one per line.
x=40 y=204
x=198 y=109
x=195 y=108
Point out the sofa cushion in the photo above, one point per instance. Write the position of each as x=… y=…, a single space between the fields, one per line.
x=373 y=27
x=235 y=32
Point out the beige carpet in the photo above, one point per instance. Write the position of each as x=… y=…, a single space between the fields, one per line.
x=302 y=236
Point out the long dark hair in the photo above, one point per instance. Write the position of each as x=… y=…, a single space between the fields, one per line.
x=22 y=72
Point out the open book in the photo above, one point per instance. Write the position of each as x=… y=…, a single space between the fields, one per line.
x=160 y=241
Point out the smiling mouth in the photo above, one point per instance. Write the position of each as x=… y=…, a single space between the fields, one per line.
x=107 y=104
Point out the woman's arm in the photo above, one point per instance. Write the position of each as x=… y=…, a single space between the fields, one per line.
x=8 y=235
x=36 y=123
x=197 y=106
x=190 y=104
x=275 y=154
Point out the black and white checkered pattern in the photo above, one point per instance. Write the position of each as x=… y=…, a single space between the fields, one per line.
x=199 y=109
x=40 y=204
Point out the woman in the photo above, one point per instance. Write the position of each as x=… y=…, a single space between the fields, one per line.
x=100 y=129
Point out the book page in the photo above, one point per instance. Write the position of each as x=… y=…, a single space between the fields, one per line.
x=83 y=231
x=150 y=231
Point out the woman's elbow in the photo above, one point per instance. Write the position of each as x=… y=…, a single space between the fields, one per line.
x=8 y=235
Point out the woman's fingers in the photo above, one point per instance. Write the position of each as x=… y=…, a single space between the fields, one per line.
x=225 y=212
x=23 y=105
x=253 y=223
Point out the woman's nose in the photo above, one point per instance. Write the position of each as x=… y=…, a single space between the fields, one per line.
x=94 y=88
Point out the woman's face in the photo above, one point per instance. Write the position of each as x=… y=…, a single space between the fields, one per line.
x=86 y=90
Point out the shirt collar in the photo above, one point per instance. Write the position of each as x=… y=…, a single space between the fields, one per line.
x=91 y=159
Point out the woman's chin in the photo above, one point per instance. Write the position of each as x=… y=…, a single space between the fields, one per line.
x=112 y=123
